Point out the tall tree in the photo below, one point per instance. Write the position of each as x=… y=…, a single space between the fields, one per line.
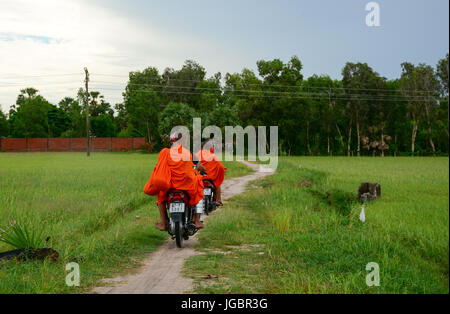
x=419 y=86
x=30 y=115
x=143 y=102
x=98 y=106
x=408 y=88
x=320 y=89
x=121 y=119
x=241 y=91
x=103 y=126
x=180 y=85
x=442 y=74
x=176 y=114
x=58 y=121
x=76 y=114
x=210 y=92
x=395 y=110
x=360 y=83
x=4 y=127
x=280 y=102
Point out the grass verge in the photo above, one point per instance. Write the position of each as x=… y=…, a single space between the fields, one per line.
x=282 y=237
x=93 y=209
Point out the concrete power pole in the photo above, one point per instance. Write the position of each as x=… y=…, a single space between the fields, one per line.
x=86 y=80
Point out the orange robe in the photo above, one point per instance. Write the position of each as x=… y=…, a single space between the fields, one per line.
x=160 y=179
x=214 y=168
x=183 y=176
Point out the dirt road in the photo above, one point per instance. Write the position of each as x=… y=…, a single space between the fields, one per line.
x=161 y=272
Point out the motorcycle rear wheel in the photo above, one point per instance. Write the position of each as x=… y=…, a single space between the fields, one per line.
x=179 y=234
x=206 y=201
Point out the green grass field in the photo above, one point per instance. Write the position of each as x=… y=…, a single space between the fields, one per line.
x=284 y=238
x=277 y=238
x=93 y=209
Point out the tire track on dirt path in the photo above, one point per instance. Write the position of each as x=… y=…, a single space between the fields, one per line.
x=162 y=270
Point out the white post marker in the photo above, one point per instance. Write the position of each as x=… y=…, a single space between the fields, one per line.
x=362 y=216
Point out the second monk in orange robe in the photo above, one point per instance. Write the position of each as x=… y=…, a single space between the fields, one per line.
x=214 y=168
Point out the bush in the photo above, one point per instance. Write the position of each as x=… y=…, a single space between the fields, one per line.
x=21 y=236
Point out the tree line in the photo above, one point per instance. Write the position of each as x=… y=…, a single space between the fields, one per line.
x=363 y=113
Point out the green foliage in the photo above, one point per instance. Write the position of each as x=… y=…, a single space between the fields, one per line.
x=77 y=118
x=124 y=133
x=181 y=84
x=22 y=236
x=58 y=121
x=94 y=212
x=102 y=126
x=30 y=117
x=176 y=114
x=280 y=238
x=4 y=126
x=361 y=114
x=223 y=115
x=442 y=73
x=142 y=104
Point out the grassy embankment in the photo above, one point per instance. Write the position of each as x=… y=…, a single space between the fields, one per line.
x=285 y=238
x=93 y=209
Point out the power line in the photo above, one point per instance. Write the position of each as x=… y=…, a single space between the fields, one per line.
x=271 y=92
x=302 y=85
x=226 y=91
x=351 y=96
x=326 y=89
x=286 y=86
x=38 y=84
x=270 y=96
x=43 y=75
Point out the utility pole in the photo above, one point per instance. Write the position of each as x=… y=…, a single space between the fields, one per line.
x=86 y=81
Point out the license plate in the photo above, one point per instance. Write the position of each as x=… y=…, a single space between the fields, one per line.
x=176 y=208
x=207 y=191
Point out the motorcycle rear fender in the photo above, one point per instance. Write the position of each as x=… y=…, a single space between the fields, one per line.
x=176 y=217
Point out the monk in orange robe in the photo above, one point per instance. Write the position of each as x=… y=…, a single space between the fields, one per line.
x=214 y=168
x=182 y=177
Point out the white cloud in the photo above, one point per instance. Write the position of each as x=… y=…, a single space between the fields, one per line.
x=42 y=39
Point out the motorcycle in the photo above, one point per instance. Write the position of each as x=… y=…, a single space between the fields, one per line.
x=180 y=215
x=209 y=192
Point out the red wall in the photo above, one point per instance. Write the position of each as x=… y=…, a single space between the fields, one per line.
x=70 y=144
x=138 y=142
x=37 y=144
x=78 y=145
x=14 y=145
x=58 y=144
x=119 y=144
x=101 y=144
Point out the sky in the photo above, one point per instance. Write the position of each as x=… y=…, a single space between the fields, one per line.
x=46 y=44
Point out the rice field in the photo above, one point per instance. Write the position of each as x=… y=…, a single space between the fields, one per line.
x=93 y=209
x=279 y=237
x=285 y=237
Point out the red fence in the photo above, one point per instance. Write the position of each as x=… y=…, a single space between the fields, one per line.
x=98 y=144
